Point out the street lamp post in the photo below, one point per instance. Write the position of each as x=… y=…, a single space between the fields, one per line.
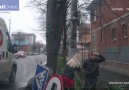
x=9 y=25
x=73 y=35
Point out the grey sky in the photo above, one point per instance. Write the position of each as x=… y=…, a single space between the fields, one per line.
x=23 y=20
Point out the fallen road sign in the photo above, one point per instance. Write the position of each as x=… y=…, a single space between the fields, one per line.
x=40 y=77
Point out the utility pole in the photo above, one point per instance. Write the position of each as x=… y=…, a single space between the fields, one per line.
x=74 y=14
x=9 y=25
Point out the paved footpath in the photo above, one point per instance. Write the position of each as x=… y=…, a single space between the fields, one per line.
x=112 y=78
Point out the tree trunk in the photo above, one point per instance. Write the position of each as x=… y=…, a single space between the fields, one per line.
x=54 y=30
x=73 y=43
x=64 y=33
x=64 y=47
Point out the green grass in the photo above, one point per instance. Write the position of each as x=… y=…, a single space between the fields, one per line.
x=106 y=86
x=101 y=84
x=59 y=65
x=78 y=82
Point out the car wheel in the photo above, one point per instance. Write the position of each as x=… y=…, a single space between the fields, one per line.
x=12 y=75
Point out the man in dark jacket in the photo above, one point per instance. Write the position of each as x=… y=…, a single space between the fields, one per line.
x=91 y=67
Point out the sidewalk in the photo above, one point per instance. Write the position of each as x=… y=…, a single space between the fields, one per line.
x=108 y=78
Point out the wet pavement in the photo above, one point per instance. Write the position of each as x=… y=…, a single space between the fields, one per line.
x=26 y=68
x=109 y=80
x=110 y=76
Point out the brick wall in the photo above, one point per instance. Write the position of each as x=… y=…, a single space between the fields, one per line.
x=26 y=48
x=107 y=12
x=120 y=54
x=112 y=49
x=122 y=68
x=116 y=51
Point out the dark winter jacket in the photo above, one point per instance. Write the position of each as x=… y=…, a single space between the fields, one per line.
x=91 y=67
x=69 y=72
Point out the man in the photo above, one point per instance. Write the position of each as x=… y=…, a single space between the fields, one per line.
x=91 y=66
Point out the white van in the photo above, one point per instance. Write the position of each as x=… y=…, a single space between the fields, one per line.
x=8 y=65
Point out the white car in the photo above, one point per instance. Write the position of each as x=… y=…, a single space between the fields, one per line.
x=21 y=54
x=8 y=64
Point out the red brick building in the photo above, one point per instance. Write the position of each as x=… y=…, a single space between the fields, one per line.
x=109 y=32
x=25 y=41
x=84 y=35
x=22 y=45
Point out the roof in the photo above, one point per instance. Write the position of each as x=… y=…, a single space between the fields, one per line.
x=84 y=28
x=25 y=42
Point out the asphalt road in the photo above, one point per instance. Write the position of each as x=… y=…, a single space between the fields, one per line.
x=26 y=68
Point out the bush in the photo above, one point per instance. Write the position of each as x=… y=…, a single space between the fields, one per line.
x=78 y=82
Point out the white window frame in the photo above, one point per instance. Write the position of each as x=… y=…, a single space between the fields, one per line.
x=125 y=30
x=113 y=34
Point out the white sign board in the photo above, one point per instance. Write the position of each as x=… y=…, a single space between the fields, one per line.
x=55 y=83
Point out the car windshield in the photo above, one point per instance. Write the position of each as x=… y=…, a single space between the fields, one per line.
x=64 y=44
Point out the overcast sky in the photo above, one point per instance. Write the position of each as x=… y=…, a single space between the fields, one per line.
x=23 y=20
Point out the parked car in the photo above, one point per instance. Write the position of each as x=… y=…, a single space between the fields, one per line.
x=30 y=53
x=35 y=53
x=8 y=64
x=21 y=54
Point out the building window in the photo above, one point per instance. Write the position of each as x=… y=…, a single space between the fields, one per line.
x=101 y=35
x=94 y=41
x=113 y=33
x=125 y=30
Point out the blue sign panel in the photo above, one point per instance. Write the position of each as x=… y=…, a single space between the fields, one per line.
x=40 y=78
x=9 y=5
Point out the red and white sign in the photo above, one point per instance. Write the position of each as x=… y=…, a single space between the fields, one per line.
x=55 y=83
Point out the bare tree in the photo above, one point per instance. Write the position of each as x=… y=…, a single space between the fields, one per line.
x=56 y=15
x=55 y=24
x=56 y=18
x=40 y=7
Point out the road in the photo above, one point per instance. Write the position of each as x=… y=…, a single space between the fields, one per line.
x=113 y=77
x=26 y=68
